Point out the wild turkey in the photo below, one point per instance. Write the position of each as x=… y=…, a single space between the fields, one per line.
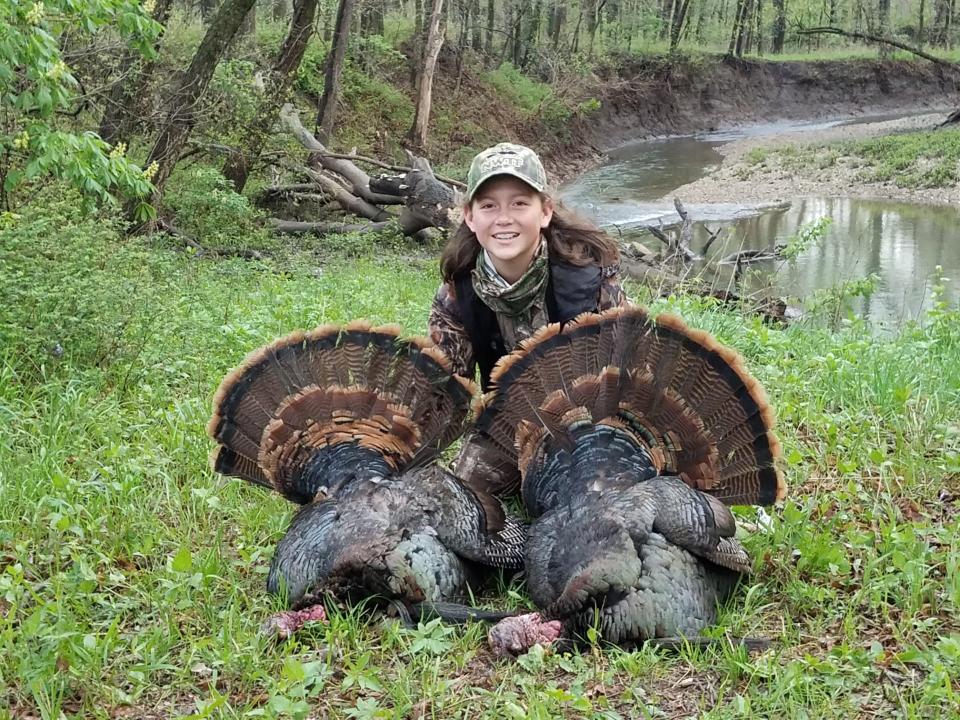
x=347 y=422
x=631 y=434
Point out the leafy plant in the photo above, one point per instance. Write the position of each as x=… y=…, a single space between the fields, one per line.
x=37 y=83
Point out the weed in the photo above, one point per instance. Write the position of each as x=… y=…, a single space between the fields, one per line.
x=132 y=577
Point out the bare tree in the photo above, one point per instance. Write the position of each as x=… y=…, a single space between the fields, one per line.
x=431 y=51
x=327 y=112
x=130 y=85
x=779 y=30
x=680 y=9
x=237 y=167
x=181 y=108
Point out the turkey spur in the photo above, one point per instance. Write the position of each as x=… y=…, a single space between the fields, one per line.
x=348 y=422
x=632 y=436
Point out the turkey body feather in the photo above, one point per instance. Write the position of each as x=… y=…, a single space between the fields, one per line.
x=347 y=422
x=632 y=435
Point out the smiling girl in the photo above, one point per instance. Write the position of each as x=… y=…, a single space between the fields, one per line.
x=516 y=263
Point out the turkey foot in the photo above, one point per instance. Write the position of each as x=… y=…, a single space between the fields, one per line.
x=513 y=636
x=284 y=624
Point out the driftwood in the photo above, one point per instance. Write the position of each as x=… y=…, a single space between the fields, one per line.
x=665 y=277
x=745 y=257
x=427 y=201
x=678 y=246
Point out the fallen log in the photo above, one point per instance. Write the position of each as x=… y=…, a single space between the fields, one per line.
x=293 y=227
x=320 y=157
x=348 y=201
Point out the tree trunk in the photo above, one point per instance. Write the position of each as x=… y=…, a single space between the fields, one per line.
x=327 y=111
x=758 y=37
x=117 y=115
x=520 y=8
x=680 y=8
x=942 y=23
x=558 y=13
x=421 y=119
x=476 y=37
x=491 y=18
x=181 y=112
x=418 y=18
x=248 y=28
x=371 y=18
x=779 y=30
x=920 y=24
x=533 y=32
x=281 y=10
x=883 y=25
x=237 y=167
x=666 y=11
x=207 y=10
x=741 y=25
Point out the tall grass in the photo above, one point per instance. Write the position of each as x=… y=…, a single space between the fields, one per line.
x=132 y=578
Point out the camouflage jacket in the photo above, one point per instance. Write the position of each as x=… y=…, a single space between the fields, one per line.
x=448 y=333
x=478 y=463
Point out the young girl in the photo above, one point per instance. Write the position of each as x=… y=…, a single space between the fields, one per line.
x=516 y=263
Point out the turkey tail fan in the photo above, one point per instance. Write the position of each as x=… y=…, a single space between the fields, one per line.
x=372 y=402
x=682 y=394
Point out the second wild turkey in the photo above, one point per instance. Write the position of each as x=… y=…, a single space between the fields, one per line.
x=348 y=422
x=632 y=436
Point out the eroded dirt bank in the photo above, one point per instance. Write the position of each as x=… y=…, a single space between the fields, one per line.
x=652 y=97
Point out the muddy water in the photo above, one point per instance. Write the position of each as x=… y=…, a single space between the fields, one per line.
x=901 y=243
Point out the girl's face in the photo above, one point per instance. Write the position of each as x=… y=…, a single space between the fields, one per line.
x=507 y=216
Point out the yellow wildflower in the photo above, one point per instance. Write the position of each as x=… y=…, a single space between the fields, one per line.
x=22 y=140
x=8 y=220
x=118 y=150
x=151 y=170
x=35 y=14
x=57 y=70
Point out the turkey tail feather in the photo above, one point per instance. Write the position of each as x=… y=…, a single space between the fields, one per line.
x=682 y=394
x=394 y=401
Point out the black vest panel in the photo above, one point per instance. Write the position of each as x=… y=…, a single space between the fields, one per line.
x=571 y=290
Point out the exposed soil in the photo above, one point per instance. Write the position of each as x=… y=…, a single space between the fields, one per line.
x=652 y=97
x=655 y=97
x=740 y=180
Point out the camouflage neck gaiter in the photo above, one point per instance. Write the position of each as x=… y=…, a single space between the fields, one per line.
x=521 y=308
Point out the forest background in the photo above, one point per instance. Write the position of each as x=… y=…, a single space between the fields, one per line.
x=147 y=163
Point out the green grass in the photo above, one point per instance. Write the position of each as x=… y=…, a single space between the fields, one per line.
x=132 y=578
x=928 y=159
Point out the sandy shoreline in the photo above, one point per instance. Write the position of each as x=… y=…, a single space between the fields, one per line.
x=738 y=180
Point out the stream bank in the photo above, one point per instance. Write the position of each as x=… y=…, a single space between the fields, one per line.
x=750 y=170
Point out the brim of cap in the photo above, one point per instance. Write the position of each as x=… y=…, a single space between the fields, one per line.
x=512 y=172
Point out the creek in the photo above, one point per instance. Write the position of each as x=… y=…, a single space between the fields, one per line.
x=901 y=243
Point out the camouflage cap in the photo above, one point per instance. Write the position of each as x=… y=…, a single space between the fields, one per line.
x=506 y=159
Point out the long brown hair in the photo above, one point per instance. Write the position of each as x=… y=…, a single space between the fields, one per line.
x=571 y=238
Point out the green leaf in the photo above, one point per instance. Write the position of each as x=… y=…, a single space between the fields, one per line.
x=183 y=560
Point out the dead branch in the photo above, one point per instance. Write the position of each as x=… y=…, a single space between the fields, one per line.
x=685 y=237
x=358 y=179
x=394 y=168
x=714 y=234
x=745 y=257
x=826 y=30
x=349 y=202
x=168 y=227
x=324 y=228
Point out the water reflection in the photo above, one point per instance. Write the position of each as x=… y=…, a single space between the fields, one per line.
x=900 y=242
